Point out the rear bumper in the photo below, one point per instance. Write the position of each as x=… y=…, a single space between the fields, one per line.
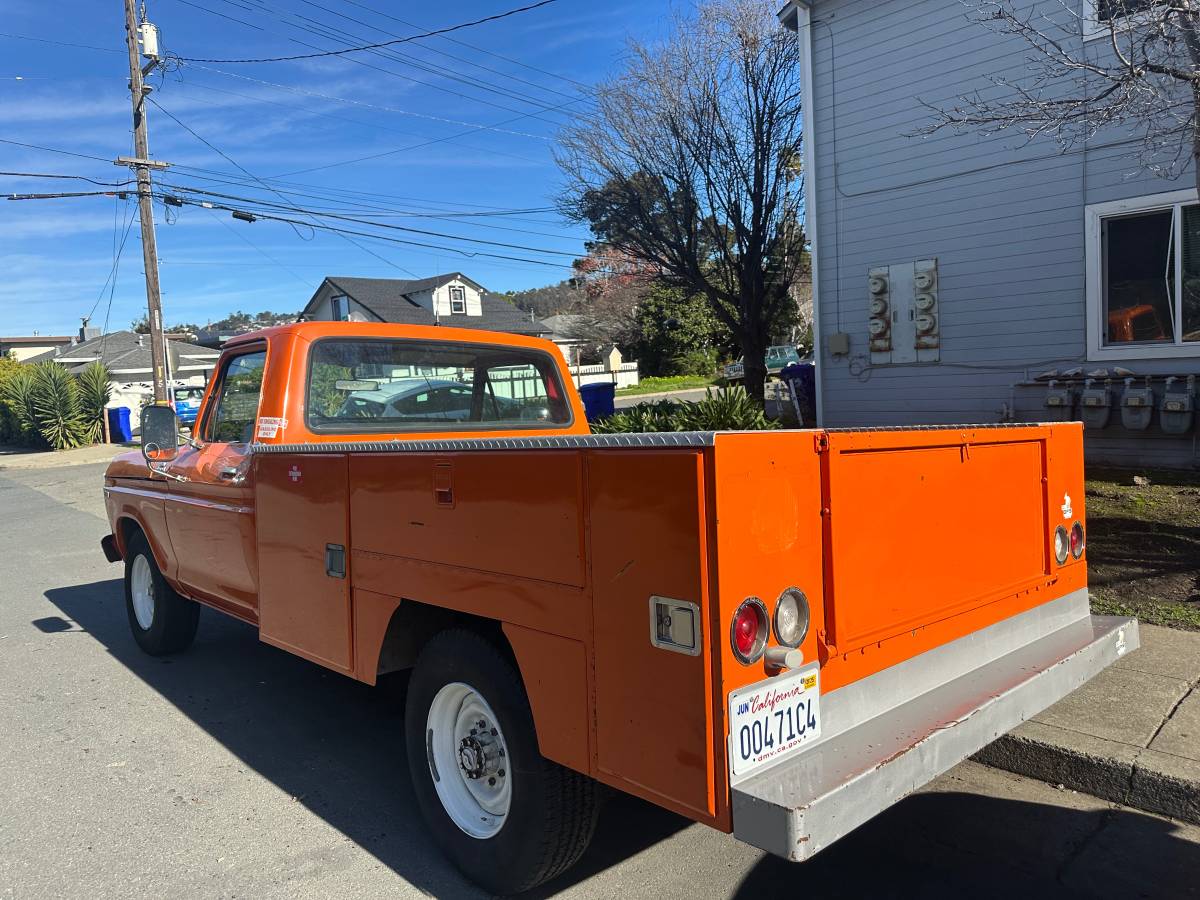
x=887 y=735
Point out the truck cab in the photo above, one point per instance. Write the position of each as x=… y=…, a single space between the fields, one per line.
x=778 y=634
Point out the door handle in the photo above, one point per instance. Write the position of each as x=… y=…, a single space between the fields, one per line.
x=232 y=474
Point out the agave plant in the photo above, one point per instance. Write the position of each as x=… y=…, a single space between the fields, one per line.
x=56 y=406
x=94 y=394
x=731 y=409
x=17 y=391
x=653 y=416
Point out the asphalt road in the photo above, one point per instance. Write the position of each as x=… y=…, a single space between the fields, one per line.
x=677 y=396
x=236 y=770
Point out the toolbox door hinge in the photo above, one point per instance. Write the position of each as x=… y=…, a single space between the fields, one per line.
x=821 y=442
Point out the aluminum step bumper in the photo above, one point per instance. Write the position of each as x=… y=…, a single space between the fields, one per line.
x=885 y=736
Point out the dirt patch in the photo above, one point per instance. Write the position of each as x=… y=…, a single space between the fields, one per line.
x=1144 y=545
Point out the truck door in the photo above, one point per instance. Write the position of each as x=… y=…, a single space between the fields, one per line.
x=210 y=516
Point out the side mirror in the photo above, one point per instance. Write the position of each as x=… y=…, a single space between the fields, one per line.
x=160 y=434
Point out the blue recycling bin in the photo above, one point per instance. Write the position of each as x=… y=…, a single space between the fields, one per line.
x=599 y=400
x=801 y=381
x=119 y=430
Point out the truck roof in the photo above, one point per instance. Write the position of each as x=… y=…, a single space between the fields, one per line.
x=311 y=331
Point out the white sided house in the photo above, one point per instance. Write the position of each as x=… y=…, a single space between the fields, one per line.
x=452 y=299
x=987 y=278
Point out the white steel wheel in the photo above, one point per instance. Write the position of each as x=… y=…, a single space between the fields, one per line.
x=468 y=759
x=141 y=589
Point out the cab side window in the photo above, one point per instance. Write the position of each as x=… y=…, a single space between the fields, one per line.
x=232 y=419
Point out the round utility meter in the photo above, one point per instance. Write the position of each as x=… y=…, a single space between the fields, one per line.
x=923 y=281
x=877 y=327
x=926 y=323
x=877 y=284
x=924 y=302
x=878 y=306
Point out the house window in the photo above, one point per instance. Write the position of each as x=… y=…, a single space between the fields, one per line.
x=1100 y=15
x=341 y=308
x=458 y=301
x=1144 y=277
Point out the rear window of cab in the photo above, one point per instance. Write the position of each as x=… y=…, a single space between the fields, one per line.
x=389 y=385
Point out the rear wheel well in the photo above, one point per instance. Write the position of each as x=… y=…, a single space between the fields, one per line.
x=413 y=624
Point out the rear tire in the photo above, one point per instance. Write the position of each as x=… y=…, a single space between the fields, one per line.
x=161 y=620
x=536 y=818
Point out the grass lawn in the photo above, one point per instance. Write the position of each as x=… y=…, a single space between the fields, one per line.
x=672 y=383
x=1144 y=545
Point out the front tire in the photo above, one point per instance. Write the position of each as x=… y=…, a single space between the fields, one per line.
x=161 y=620
x=506 y=816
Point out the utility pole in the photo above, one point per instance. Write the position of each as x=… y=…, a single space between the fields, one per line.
x=141 y=164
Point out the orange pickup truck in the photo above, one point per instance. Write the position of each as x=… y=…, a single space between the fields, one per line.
x=778 y=634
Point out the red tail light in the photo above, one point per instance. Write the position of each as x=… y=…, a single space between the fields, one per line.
x=1077 y=542
x=749 y=630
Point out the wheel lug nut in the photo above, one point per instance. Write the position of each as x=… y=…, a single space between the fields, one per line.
x=491 y=782
x=501 y=773
x=494 y=731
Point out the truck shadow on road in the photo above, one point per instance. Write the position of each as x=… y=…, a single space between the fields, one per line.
x=336 y=746
x=332 y=743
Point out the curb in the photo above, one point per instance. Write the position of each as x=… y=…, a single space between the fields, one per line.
x=1121 y=773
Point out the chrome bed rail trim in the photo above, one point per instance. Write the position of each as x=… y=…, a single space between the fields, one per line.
x=558 y=442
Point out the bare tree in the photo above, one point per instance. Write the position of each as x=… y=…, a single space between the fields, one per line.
x=688 y=162
x=1141 y=74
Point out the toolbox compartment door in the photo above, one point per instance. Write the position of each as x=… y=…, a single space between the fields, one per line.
x=922 y=525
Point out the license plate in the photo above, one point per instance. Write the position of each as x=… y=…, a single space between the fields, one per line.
x=771 y=719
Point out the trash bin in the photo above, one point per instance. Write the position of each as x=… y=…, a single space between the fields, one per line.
x=599 y=399
x=801 y=381
x=119 y=431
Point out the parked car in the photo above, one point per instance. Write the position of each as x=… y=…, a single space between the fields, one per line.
x=187 y=404
x=429 y=400
x=778 y=634
x=777 y=358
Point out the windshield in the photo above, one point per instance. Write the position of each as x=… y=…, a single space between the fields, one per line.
x=396 y=385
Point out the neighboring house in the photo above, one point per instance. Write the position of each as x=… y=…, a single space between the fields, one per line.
x=451 y=299
x=568 y=330
x=950 y=271
x=127 y=356
x=26 y=346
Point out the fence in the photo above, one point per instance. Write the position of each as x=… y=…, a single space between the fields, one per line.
x=626 y=375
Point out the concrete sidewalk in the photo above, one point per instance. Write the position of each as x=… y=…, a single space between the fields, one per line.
x=1131 y=735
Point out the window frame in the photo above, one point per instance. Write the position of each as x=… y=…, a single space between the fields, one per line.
x=461 y=299
x=218 y=386
x=552 y=368
x=1095 y=28
x=345 y=307
x=1097 y=320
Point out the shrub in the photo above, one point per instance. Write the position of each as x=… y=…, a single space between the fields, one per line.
x=693 y=362
x=94 y=394
x=56 y=407
x=730 y=409
x=17 y=392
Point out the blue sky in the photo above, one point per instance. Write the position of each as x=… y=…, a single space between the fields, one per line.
x=298 y=126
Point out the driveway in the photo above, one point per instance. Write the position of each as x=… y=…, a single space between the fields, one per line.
x=236 y=769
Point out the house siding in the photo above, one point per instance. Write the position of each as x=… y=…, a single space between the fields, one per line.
x=1005 y=220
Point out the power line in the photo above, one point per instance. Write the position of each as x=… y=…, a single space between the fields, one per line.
x=115 y=184
x=462 y=59
x=26 y=37
x=344 y=37
x=112 y=271
x=474 y=47
x=388 y=55
x=392 y=109
x=246 y=172
x=380 y=237
x=405 y=40
x=53 y=150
